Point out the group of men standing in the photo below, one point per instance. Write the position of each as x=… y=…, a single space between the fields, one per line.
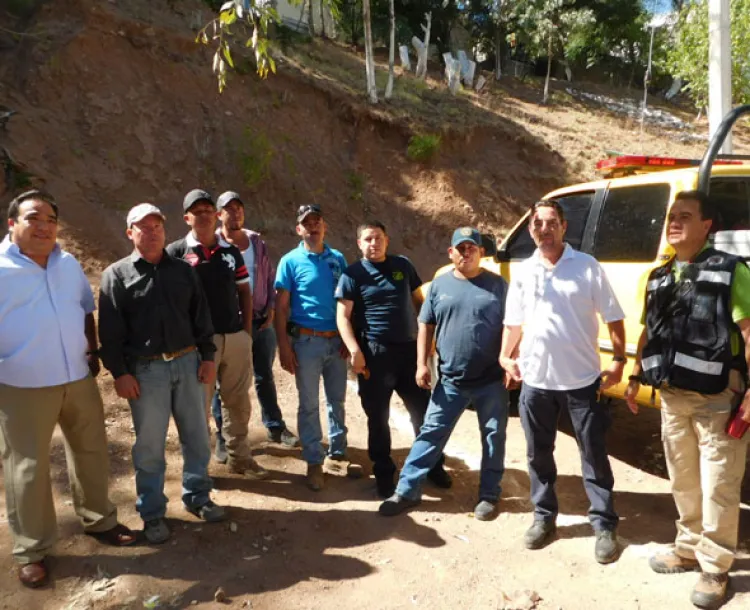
x=184 y=329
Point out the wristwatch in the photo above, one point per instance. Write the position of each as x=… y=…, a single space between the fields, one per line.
x=637 y=378
x=619 y=359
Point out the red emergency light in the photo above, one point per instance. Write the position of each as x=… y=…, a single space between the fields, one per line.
x=632 y=164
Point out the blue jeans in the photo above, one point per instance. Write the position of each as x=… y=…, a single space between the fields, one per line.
x=447 y=403
x=169 y=388
x=264 y=353
x=316 y=357
x=539 y=411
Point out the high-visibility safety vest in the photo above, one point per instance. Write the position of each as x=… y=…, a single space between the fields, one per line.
x=689 y=325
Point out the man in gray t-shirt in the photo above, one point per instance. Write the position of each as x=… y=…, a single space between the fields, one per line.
x=463 y=311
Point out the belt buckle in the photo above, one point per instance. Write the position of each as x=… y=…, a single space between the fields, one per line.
x=168 y=357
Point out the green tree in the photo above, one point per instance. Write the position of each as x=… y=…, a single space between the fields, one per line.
x=254 y=18
x=547 y=26
x=687 y=56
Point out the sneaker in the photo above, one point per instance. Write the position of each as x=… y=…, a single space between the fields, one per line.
x=539 y=534
x=710 y=591
x=315 y=479
x=396 y=505
x=156 y=531
x=440 y=477
x=248 y=467
x=282 y=436
x=485 y=510
x=339 y=466
x=220 y=451
x=209 y=512
x=672 y=563
x=386 y=486
x=606 y=548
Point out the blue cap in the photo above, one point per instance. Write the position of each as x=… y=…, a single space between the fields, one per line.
x=464 y=234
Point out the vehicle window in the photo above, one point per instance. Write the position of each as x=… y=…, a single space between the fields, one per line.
x=576 y=207
x=730 y=200
x=631 y=223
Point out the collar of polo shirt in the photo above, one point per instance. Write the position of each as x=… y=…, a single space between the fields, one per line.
x=192 y=242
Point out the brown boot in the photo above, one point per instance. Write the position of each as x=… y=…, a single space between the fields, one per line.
x=315 y=480
x=339 y=466
x=248 y=467
x=33 y=575
x=710 y=591
x=672 y=563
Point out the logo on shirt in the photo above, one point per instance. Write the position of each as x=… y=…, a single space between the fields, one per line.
x=335 y=269
x=192 y=258
x=229 y=260
x=398 y=275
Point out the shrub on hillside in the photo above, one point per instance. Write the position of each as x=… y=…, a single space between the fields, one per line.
x=423 y=147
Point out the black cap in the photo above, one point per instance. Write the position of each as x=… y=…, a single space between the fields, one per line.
x=194 y=197
x=305 y=210
x=227 y=197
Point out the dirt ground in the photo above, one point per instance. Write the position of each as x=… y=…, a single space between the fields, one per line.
x=286 y=546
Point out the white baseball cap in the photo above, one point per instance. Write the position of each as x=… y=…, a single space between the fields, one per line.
x=142 y=210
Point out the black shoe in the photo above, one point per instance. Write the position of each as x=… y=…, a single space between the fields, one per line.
x=539 y=534
x=386 y=486
x=283 y=436
x=220 y=451
x=440 y=477
x=485 y=510
x=396 y=505
x=606 y=549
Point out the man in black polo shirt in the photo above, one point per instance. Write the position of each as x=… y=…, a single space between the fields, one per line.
x=376 y=317
x=156 y=340
x=226 y=282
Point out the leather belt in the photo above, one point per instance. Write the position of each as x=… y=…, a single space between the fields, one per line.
x=328 y=334
x=169 y=356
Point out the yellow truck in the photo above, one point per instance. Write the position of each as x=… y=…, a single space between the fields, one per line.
x=620 y=220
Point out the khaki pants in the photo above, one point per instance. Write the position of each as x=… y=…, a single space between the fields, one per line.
x=706 y=467
x=234 y=374
x=27 y=420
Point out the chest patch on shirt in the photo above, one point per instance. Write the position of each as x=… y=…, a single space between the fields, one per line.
x=335 y=268
x=229 y=260
x=193 y=259
x=398 y=275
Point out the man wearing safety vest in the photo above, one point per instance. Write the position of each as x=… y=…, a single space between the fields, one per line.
x=694 y=348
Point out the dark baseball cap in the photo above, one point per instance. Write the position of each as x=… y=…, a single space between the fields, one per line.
x=194 y=197
x=227 y=197
x=464 y=234
x=305 y=210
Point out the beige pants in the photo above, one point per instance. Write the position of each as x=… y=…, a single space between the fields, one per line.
x=234 y=374
x=27 y=420
x=706 y=467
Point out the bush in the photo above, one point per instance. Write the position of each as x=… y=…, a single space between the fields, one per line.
x=423 y=147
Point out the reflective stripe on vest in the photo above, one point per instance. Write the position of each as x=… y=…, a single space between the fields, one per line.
x=696 y=364
x=651 y=362
x=719 y=277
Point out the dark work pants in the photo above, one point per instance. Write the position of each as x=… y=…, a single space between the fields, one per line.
x=540 y=410
x=393 y=367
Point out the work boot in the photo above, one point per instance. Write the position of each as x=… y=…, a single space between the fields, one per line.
x=156 y=531
x=439 y=477
x=34 y=574
x=710 y=591
x=283 y=436
x=485 y=510
x=339 y=465
x=209 y=512
x=606 y=549
x=315 y=480
x=395 y=505
x=539 y=534
x=248 y=467
x=672 y=563
x=220 y=451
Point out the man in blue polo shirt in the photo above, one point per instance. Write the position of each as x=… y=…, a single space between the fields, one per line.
x=378 y=297
x=309 y=344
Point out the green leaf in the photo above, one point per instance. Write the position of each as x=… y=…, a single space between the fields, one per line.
x=227 y=55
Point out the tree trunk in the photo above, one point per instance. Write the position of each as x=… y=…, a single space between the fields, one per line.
x=322 y=20
x=549 y=71
x=310 y=19
x=422 y=62
x=498 y=54
x=372 y=89
x=391 y=49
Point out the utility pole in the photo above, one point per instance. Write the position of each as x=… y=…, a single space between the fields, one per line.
x=719 y=68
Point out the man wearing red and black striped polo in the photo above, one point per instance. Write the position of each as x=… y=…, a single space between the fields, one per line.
x=226 y=282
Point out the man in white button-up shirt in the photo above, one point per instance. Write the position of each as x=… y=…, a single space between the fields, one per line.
x=48 y=360
x=552 y=308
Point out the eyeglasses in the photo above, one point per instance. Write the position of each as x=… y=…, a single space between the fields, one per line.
x=308 y=209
